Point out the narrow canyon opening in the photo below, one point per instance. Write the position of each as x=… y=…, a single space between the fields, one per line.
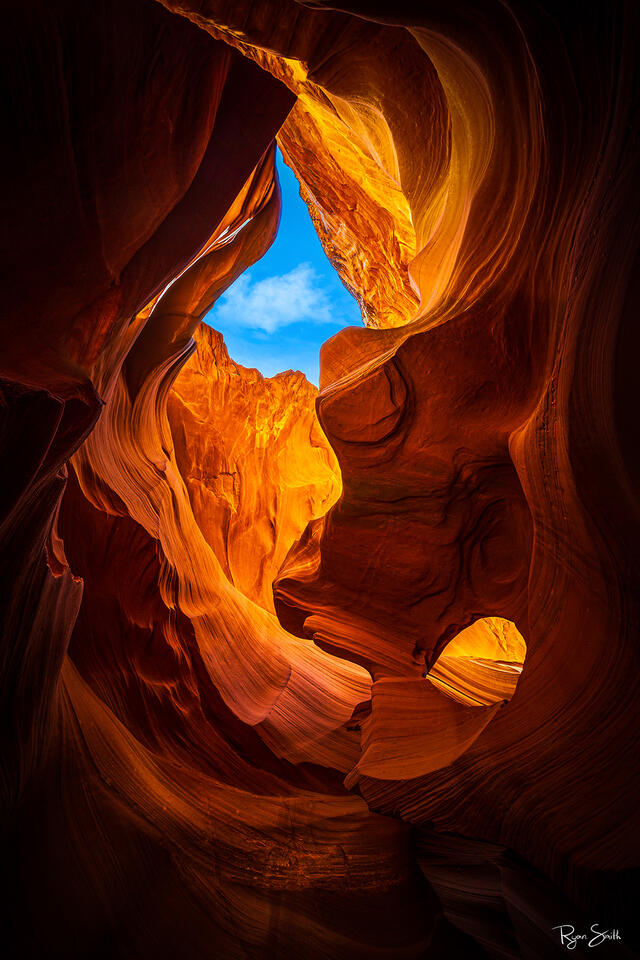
x=280 y=311
x=316 y=671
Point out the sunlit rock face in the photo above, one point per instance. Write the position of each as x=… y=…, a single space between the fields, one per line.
x=345 y=674
x=256 y=464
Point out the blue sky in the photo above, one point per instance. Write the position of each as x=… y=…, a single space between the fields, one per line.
x=278 y=313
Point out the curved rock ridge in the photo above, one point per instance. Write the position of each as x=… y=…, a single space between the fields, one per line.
x=128 y=468
x=478 y=474
x=419 y=725
x=349 y=673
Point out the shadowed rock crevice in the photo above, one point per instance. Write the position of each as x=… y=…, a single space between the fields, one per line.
x=344 y=673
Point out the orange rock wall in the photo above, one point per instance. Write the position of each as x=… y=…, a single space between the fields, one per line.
x=345 y=674
x=255 y=462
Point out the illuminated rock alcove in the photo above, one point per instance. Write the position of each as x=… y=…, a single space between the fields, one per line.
x=344 y=673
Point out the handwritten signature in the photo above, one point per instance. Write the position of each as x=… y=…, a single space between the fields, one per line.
x=570 y=939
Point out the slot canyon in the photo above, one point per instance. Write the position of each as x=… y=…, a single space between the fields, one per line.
x=329 y=673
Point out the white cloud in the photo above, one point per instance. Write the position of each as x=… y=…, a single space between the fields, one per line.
x=275 y=301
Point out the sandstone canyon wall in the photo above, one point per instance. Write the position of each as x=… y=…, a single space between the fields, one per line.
x=347 y=673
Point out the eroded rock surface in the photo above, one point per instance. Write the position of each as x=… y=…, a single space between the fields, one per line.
x=345 y=674
x=256 y=464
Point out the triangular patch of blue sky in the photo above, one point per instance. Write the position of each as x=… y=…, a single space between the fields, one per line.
x=277 y=315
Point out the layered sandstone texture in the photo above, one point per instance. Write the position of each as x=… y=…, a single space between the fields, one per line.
x=256 y=464
x=348 y=673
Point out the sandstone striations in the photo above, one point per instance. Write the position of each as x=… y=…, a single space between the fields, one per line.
x=336 y=674
x=256 y=464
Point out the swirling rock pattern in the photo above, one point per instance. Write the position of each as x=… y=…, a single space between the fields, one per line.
x=345 y=674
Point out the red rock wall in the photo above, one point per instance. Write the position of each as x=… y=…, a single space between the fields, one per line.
x=348 y=674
